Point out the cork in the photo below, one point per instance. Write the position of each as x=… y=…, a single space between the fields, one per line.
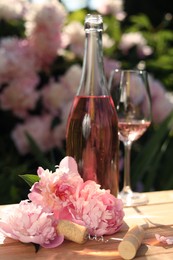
x=72 y=231
x=131 y=242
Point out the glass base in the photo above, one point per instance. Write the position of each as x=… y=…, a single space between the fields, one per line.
x=133 y=198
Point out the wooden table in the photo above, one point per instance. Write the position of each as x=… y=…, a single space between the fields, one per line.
x=156 y=217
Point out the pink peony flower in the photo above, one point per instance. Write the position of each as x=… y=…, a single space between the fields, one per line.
x=74 y=35
x=96 y=209
x=132 y=39
x=65 y=193
x=38 y=128
x=54 y=96
x=16 y=60
x=58 y=132
x=43 y=29
x=20 y=96
x=110 y=65
x=162 y=104
x=13 y=9
x=161 y=108
x=55 y=190
x=28 y=222
x=71 y=80
x=114 y=7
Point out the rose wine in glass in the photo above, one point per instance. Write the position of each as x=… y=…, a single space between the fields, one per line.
x=130 y=92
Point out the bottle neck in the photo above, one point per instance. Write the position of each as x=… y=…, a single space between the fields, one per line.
x=93 y=82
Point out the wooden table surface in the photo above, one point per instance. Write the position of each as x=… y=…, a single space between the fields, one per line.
x=156 y=217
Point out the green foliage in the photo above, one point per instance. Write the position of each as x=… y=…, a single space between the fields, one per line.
x=30 y=178
x=140 y=23
x=15 y=27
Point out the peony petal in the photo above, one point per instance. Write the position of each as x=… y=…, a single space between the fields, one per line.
x=165 y=240
x=70 y=163
x=39 y=171
x=54 y=243
x=6 y=230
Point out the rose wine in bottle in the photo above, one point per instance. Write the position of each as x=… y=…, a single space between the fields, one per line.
x=92 y=127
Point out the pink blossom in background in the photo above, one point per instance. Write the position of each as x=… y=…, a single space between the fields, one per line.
x=58 y=134
x=69 y=84
x=20 y=96
x=110 y=65
x=161 y=108
x=157 y=89
x=71 y=80
x=107 y=41
x=13 y=9
x=74 y=36
x=59 y=131
x=56 y=190
x=54 y=95
x=135 y=39
x=138 y=91
x=16 y=60
x=38 y=127
x=30 y=223
x=43 y=28
x=162 y=105
x=114 y=7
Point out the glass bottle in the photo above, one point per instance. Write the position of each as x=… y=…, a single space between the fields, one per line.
x=92 y=127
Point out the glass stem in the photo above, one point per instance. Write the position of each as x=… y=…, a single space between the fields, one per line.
x=127 y=186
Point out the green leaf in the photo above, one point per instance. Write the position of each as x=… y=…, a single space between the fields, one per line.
x=141 y=22
x=30 y=178
x=150 y=180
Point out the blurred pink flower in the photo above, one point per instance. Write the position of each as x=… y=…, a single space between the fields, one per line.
x=162 y=105
x=16 y=60
x=38 y=127
x=13 y=9
x=28 y=222
x=96 y=209
x=108 y=42
x=114 y=7
x=20 y=96
x=74 y=36
x=54 y=96
x=71 y=80
x=110 y=65
x=161 y=108
x=54 y=190
x=43 y=28
x=58 y=132
x=135 y=39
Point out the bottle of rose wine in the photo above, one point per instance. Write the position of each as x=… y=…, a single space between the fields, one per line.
x=92 y=127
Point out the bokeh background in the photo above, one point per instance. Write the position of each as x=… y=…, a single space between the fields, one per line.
x=41 y=54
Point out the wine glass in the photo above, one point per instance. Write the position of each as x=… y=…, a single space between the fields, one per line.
x=130 y=93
